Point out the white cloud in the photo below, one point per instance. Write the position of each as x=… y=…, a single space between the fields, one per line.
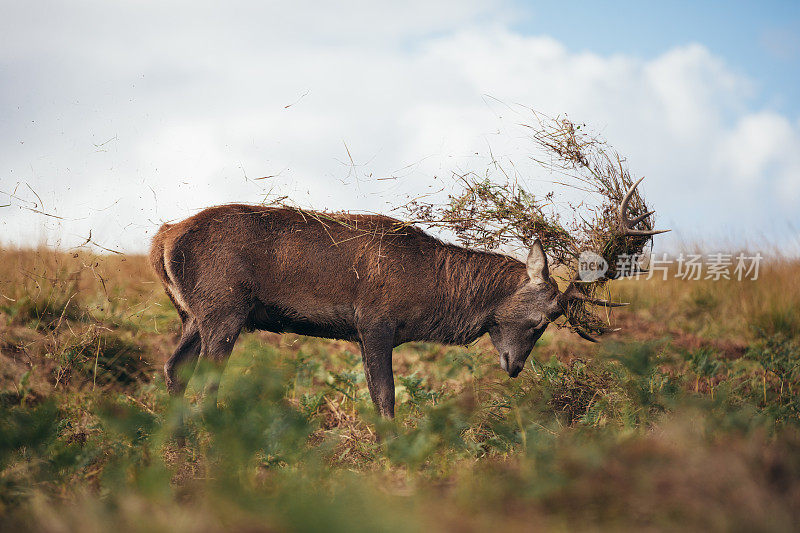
x=194 y=111
x=762 y=153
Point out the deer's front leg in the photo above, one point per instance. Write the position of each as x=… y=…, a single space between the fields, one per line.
x=376 y=352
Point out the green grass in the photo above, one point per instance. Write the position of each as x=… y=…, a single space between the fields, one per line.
x=689 y=419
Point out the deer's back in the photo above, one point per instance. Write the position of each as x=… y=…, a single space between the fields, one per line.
x=312 y=273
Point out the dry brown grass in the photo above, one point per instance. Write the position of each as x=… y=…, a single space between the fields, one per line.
x=78 y=316
x=726 y=309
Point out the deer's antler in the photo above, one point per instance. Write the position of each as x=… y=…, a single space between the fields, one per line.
x=573 y=294
x=582 y=334
x=627 y=227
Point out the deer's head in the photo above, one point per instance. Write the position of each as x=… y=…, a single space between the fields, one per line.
x=521 y=319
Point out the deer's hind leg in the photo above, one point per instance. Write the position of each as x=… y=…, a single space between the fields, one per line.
x=179 y=367
x=218 y=333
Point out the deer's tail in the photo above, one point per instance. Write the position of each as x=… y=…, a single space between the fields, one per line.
x=159 y=261
x=157 y=255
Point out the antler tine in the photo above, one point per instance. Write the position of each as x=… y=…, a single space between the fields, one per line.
x=588 y=337
x=647 y=232
x=585 y=335
x=638 y=219
x=623 y=207
x=627 y=224
x=602 y=303
x=572 y=293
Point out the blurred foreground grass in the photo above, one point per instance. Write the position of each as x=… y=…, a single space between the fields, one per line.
x=688 y=418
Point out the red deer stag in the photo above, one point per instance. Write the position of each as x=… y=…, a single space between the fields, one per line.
x=364 y=278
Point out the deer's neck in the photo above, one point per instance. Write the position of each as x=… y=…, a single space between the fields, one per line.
x=472 y=285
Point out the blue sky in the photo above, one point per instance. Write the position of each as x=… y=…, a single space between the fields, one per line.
x=761 y=40
x=122 y=115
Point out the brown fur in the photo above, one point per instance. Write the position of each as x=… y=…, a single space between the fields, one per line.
x=364 y=278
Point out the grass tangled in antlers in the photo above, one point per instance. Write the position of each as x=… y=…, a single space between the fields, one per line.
x=489 y=215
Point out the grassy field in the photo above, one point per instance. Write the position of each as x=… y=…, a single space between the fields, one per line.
x=686 y=419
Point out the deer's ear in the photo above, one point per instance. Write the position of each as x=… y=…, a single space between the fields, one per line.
x=537 y=264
